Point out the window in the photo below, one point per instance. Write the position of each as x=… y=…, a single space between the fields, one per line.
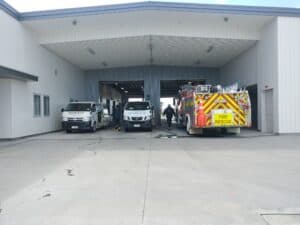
x=37 y=105
x=46 y=105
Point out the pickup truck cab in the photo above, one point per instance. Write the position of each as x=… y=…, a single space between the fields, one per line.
x=138 y=115
x=84 y=116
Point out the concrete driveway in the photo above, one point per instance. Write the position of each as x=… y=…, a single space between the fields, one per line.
x=115 y=178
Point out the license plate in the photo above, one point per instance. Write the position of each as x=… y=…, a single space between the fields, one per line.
x=136 y=125
x=74 y=127
x=223 y=119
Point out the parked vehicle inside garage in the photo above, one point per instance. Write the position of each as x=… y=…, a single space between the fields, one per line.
x=138 y=115
x=204 y=107
x=85 y=116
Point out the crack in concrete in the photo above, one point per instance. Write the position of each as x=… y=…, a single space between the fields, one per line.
x=147 y=183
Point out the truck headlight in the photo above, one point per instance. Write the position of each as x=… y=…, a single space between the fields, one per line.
x=86 y=119
x=126 y=118
x=65 y=119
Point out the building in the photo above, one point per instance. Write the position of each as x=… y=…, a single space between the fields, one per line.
x=102 y=53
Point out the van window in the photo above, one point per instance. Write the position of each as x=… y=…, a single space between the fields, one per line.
x=137 y=106
x=46 y=105
x=36 y=105
x=78 y=107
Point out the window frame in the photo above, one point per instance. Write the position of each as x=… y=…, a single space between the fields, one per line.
x=34 y=106
x=44 y=105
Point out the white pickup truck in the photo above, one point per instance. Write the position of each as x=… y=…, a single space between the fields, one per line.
x=138 y=115
x=84 y=116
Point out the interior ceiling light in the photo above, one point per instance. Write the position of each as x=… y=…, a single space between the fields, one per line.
x=210 y=48
x=197 y=62
x=126 y=92
x=91 y=51
x=122 y=88
x=74 y=22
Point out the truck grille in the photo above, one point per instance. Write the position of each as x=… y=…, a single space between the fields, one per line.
x=137 y=118
x=75 y=119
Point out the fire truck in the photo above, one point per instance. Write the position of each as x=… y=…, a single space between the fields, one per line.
x=202 y=107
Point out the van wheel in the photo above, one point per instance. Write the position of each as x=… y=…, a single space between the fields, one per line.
x=68 y=131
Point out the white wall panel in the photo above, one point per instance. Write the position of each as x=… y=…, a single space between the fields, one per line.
x=20 y=51
x=140 y=23
x=289 y=74
x=258 y=65
x=5 y=108
x=243 y=69
x=267 y=73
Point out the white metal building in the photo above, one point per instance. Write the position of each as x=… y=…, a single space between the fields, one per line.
x=50 y=57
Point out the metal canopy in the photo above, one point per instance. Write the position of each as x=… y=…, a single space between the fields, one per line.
x=14 y=74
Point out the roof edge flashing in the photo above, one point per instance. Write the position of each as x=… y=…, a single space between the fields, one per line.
x=9 y=9
x=156 y=5
x=14 y=74
x=150 y=5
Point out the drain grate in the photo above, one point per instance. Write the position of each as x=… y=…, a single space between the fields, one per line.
x=282 y=217
x=168 y=136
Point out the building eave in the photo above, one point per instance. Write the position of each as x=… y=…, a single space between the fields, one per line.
x=150 y=5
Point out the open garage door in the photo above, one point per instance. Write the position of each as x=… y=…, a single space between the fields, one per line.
x=254 y=105
x=114 y=93
x=170 y=88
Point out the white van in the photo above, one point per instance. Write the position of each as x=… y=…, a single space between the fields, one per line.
x=84 y=116
x=138 y=115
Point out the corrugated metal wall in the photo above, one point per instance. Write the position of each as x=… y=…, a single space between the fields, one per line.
x=289 y=74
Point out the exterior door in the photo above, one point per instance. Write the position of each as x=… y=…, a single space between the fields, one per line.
x=269 y=111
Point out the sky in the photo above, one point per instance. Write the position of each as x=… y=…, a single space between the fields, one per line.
x=37 y=5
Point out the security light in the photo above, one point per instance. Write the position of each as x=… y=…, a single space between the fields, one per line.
x=210 y=48
x=197 y=62
x=91 y=51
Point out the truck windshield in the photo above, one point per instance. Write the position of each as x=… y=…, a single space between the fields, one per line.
x=137 y=106
x=78 y=107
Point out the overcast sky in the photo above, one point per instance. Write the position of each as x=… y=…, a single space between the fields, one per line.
x=34 y=5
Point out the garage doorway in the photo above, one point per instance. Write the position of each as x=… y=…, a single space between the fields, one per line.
x=269 y=112
x=252 y=89
x=115 y=94
x=169 y=93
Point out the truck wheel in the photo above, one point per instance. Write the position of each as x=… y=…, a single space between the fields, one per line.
x=68 y=131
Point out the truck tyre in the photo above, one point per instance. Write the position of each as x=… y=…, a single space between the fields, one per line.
x=68 y=131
